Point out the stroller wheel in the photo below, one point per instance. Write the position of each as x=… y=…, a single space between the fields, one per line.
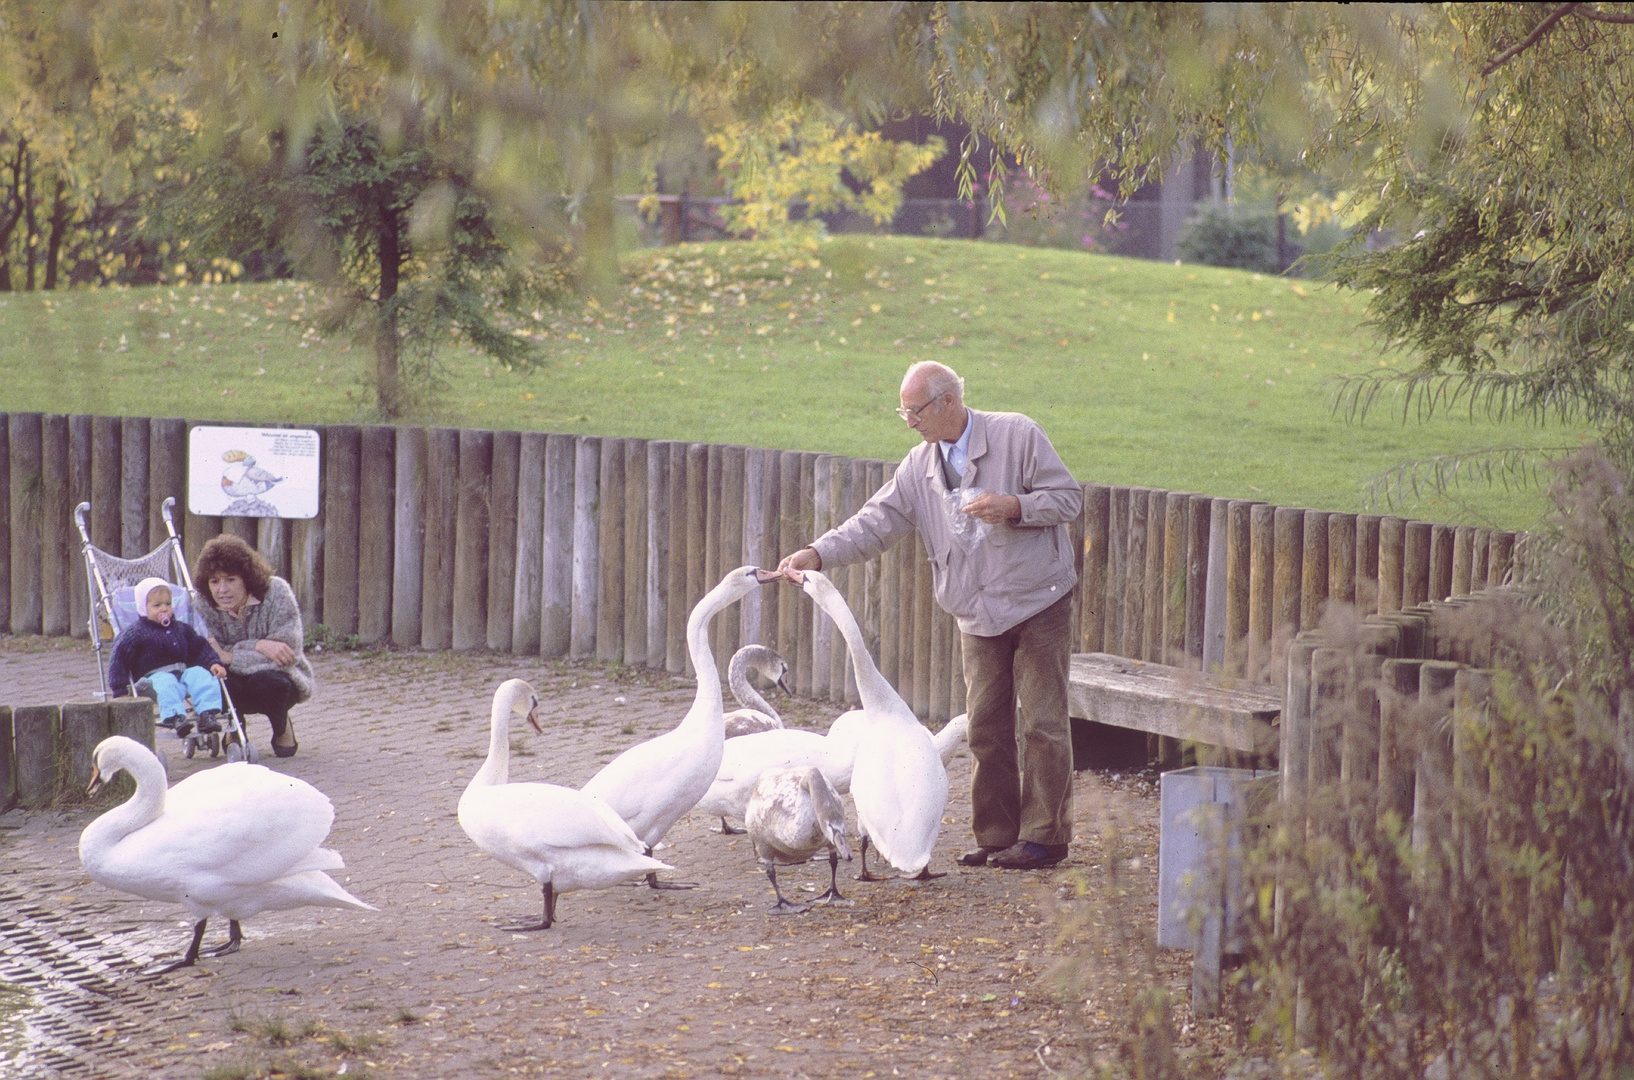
x=234 y=752
x=251 y=754
x=215 y=745
x=189 y=745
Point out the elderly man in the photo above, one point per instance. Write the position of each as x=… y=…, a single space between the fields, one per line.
x=992 y=500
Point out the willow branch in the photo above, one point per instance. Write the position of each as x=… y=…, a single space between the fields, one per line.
x=1531 y=39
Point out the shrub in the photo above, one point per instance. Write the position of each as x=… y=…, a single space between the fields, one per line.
x=1241 y=235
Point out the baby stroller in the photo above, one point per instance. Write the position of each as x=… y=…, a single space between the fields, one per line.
x=111 y=582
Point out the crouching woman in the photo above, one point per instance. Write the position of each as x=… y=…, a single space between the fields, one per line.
x=255 y=624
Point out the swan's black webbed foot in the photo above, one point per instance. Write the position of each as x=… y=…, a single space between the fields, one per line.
x=926 y=875
x=865 y=874
x=235 y=937
x=832 y=897
x=189 y=958
x=728 y=830
x=782 y=907
x=654 y=883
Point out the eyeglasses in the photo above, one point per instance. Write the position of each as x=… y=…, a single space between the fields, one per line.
x=910 y=415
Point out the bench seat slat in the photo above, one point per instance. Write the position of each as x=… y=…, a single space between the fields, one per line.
x=1172 y=701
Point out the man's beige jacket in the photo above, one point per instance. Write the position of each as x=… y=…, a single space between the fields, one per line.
x=988 y=577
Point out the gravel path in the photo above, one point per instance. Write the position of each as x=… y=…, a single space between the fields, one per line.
x=927 y=979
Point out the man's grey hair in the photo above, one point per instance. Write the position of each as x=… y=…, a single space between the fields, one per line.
x=939 y=379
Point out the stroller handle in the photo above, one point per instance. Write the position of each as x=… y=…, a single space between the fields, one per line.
x=79 y=519
x=164 y=510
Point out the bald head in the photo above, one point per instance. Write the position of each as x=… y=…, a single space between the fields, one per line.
x=933 y=401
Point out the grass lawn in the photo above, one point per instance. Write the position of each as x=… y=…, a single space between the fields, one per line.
x=1189 y=378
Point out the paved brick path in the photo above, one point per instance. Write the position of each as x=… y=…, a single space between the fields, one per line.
x=918 y=979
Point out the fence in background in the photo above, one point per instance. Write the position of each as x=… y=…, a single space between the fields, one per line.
x=577 y=546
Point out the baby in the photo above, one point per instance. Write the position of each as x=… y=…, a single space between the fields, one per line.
x=172 y=657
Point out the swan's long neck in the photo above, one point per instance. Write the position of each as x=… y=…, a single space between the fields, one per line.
x=737 y=673
x=497 y=769
x=876 y=693
x=139 y=810
x=709 y=706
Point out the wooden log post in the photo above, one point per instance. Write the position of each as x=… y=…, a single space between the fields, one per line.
x=1398 y=745
x=1289 y=525
x=1092 y=586
x=1199 y=527
x=729 y=621
x=1392 y=556
x=804 y=667
x=1432 y=835
x=1440 y=577
x=1117 y=551
x=1499 y=554
x=84 y=724
x=1294 y=746
x=167 y=475
x=891 y=615
x=1176 y=506
x=58 y=540
x=586 y=559
x=35 y=728
x=106 y=478
x=1133 y=643
x=1313 y=568
x=134 y=718
x=1480 y=559
x=8 y=759
x=696 y=550
x=610 y=554
x=924 y=608
x=26 y=513
x=1463 y=558
x=1155 y=604
x=503 y=510
x=755 y=548
x=790 y=540
x=714 y=465
x=907 y=554
x=133 y=487
x=1342 y=558
x=299 y=560
x=675 y=606
x=822 y=627
x=408 y=535
x=1239 y=579
x=343 y=479
x=79 y=490
x=1472 y=697
x=527 y=604
x=1331 y=700
x=469 y=604
x=376 y=529
x=437 y=561
x=942 y=635
x=1415 y=564
x=1214 y=588
x=856 y=492
x=1367 y=563
x=635 y=551
x=659 y=455
x=1261 y=590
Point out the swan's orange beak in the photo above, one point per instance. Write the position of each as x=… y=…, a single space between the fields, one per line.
x=766 y=577
x=96 y=781
x=533 y=718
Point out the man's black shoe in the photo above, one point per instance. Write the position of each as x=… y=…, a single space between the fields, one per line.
x=1026 y=855
x=978 y=857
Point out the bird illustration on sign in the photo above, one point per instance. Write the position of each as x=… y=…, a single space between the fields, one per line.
x=245 y=482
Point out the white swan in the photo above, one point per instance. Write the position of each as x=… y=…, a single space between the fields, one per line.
x=898 y=782
x=747 y=756
x=231 y=841
x=566 y=840
x=793 y=813
x=653 y=783
x=757 y=713
x=847 y=729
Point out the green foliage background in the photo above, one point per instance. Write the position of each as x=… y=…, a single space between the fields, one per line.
x=1189 y=378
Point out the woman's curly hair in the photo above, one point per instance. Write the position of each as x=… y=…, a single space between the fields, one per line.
x=229 y=554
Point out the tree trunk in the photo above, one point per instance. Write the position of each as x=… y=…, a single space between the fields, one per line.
x=14 y=200
x=600 y=244
x=59 y=225
x=31 y=228
x=387 y=372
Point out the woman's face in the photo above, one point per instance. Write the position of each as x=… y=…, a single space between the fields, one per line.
x=228 y=591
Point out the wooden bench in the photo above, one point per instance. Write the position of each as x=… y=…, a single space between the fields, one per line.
x=1177 y=702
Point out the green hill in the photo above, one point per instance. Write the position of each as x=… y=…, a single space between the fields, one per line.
x=1181 y=377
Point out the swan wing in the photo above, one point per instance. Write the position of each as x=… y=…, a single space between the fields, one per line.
x=537 y=816
x=240 y=823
